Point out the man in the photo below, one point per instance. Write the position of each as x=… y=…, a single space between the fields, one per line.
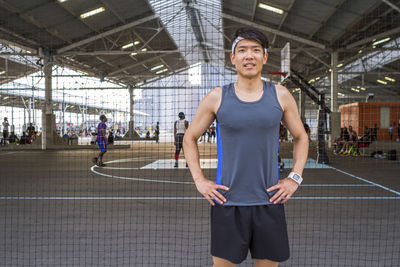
x=180 y=127
x=247 y=197
x=5 y=130
x=212 y=135
x=157 y=132
x=101 y=141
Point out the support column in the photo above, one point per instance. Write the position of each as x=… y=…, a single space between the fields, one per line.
x=49 y=134
x=131 y=134
x=302 y=105
x=335 y=115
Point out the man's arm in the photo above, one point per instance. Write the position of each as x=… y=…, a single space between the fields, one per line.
x=291 y=119
x=204 y=117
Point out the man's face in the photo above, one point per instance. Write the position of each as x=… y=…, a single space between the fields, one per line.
x=249 y=58
x=181 y=117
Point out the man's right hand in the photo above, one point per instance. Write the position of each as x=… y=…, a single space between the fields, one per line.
x=209 y=190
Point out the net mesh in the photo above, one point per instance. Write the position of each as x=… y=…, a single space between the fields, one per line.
x=140 y=63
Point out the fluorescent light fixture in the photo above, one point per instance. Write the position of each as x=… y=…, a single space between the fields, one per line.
x=382 y=82
x=390 y=79
x=311 y=81
x=92 y=12
x=362 y=88
x=130 y=44
x=381 y=41
x=339 y=65
x=139 y=84
x=359 y=51
x=157 y=67
x=355 y=90
x=2 y=72
x=133 y=54
x=271 y=8
x=374 y=46
x=317 y=78
x=161 y=71
x=62 y=1
x=6 y=97
x=144 y=49
x=127 y=46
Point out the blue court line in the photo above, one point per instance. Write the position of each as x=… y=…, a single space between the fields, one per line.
x=367 y=181
x=179 y=198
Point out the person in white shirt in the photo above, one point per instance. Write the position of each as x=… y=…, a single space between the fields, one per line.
x=5 y=130
x=180 y=127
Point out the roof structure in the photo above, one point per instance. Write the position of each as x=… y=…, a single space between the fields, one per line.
x=135 y=42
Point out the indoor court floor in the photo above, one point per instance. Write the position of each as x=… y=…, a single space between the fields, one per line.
x=59 y=210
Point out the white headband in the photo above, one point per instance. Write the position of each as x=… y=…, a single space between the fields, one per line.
x=237 y=40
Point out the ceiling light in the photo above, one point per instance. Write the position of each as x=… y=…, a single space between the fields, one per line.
x=130 y=44
x=144 y=49
x=362 y=88
x=127 y=46
x=2 y=72
x=62 y=1
x=359 y=51
x=355 y=90
x=339 y=65
x=133 y=54
x=390 y=79
x=271 y=8
x=382 y=82
x=5 y=97
x=92 y=12
x=157 y=67
x=161 y=71
x=381 y=41
x=139 y=84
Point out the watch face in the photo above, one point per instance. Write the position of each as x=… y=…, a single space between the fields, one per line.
x=296 y=177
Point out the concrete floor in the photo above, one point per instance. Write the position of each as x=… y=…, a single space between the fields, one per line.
x=56 y=209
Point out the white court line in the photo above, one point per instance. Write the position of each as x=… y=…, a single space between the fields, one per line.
x=367 y=181
x=138 y=179
x=183 y=198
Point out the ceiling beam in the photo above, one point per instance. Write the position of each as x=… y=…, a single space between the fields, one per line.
x=274 y=31
x=134 y=65
x=107 y=33
x=391 y=5
x=377 y=36
x=283 y=19
x=33 y=20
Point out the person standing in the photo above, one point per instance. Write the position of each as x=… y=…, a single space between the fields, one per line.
x=101 y=141
x=247 y=197
x=391 y=131
x=157 y=132
x=180 y=127
x=5 y=130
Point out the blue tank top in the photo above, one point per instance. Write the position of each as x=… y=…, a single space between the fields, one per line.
x=247 y=145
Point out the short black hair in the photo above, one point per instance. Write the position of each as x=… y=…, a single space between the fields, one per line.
x=251 y=33
x=102 y=117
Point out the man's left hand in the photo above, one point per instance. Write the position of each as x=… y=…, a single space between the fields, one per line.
x=286 y=188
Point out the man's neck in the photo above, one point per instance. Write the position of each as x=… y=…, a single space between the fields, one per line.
x=249 y=84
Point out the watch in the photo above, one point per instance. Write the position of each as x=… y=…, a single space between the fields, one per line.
x=295 y=177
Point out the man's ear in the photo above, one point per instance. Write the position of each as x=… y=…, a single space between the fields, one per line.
x=232 y=56
x=265 y=58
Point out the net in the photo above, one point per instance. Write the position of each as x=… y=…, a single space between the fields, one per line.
x=140 y=63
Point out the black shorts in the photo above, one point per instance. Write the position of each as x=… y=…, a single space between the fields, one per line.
x=237 y=229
